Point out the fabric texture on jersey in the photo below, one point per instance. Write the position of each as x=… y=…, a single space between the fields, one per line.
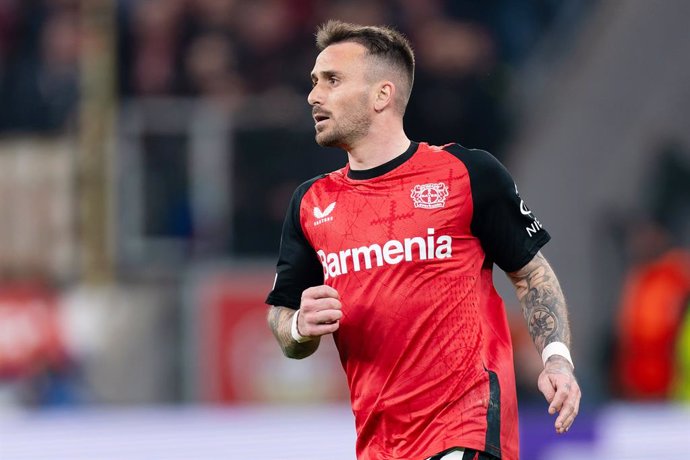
x=424 y=339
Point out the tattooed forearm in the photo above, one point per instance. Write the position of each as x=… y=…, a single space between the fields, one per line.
x=543 y=304
x=279 y=320
x=542 y=323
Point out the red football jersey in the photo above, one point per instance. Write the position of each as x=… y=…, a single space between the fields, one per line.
x=424 y=339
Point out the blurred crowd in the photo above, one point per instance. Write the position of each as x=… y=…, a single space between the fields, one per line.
x=253 y=56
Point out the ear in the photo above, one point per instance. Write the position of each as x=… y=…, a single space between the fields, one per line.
x=384 y=95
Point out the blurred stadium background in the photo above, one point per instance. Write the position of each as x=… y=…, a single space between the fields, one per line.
x=148 y=149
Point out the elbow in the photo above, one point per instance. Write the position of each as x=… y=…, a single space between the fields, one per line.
x=293 y=354
x=300 y=350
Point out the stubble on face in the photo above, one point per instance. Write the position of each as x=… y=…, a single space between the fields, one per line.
x=348 y=126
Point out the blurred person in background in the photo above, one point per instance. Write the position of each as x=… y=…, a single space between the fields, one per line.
x=150 y=45
x=650 y=316
x=211 y=68
x=651 y=362
x=40 y=85
x=393 y=256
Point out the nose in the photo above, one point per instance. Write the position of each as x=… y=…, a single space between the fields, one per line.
x=315 y=96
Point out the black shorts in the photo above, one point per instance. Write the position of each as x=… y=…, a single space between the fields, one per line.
x=468 y=454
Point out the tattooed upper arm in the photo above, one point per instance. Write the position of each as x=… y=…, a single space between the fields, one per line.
x=542 y=301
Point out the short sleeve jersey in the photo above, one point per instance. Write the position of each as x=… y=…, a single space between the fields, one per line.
x=424 y=340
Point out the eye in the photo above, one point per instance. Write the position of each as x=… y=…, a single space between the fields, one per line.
x=332 y=80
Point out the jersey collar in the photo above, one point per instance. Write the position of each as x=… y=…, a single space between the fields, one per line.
x=362 y=174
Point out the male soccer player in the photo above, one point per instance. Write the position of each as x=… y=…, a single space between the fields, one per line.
x=393 y=256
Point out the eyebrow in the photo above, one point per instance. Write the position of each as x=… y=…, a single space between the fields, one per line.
x=325 y=74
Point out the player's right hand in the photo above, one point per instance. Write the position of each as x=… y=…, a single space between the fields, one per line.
x=320 y=311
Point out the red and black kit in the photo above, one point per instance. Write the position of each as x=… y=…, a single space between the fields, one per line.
x=424 y=340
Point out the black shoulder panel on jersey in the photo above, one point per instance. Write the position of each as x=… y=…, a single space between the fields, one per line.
x=298 y=265
x=510 y=234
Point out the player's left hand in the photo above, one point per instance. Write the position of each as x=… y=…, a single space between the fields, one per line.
x=560 y=388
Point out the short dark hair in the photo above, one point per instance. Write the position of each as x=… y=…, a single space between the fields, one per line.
x=382 y=42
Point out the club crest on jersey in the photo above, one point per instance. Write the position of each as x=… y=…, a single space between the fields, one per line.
x=323 y=216
x=430 y=196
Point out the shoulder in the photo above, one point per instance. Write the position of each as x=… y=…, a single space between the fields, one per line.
x=305 y=186
x=484 y=169
x=475 y=159
x=314 y=189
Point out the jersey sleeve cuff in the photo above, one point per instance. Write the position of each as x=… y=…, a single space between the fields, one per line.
x=282 y=301
x=527 y=256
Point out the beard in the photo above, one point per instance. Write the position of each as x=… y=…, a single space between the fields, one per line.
x=345 y=132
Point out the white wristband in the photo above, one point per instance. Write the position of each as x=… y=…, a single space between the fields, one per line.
x=556 y=348
x=296 y=336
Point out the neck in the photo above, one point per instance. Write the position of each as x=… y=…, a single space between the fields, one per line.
x=377 y=148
